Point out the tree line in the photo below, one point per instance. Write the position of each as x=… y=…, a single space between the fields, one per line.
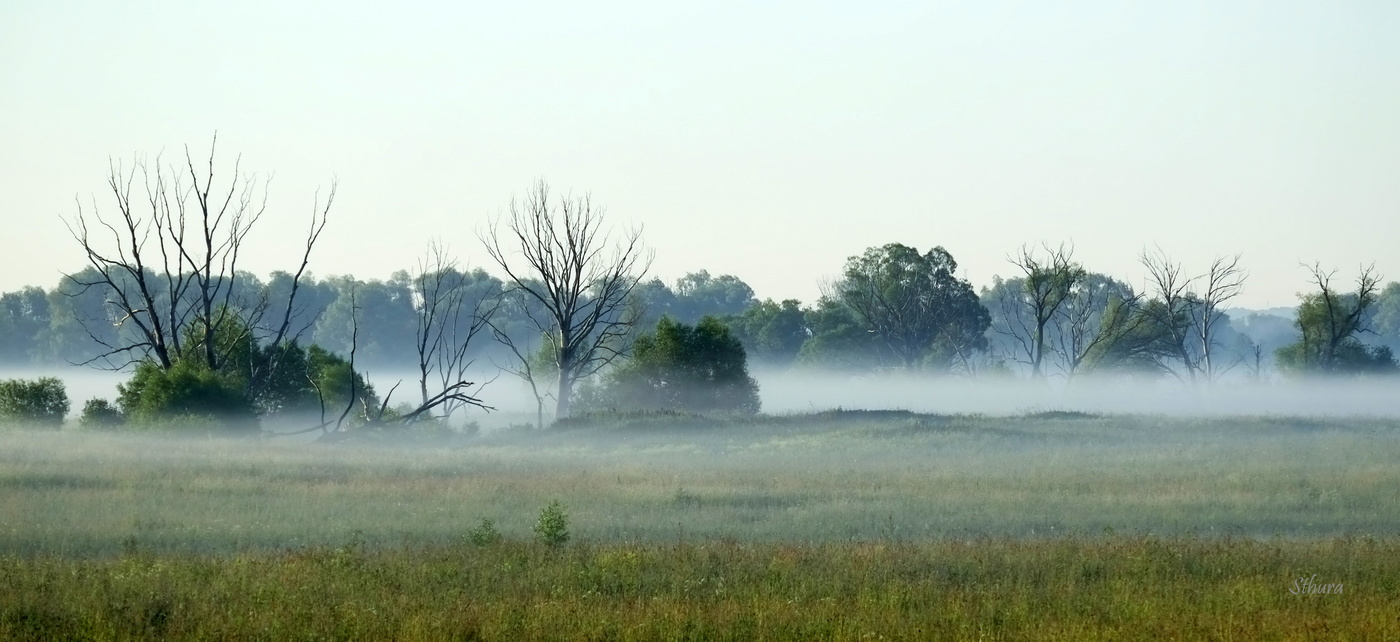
x=576 y=316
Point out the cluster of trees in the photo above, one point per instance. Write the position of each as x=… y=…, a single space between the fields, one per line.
x=162 y=297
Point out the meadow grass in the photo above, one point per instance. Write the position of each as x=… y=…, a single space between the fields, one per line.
x=1119 y=588
x=826 y=526
x=822 y=478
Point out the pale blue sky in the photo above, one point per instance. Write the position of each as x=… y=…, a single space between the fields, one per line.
x=767 y=140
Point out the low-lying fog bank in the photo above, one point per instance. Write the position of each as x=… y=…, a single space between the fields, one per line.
x=806 y=392
x=789 y=391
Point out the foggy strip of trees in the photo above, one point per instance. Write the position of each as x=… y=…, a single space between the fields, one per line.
x=163 y=296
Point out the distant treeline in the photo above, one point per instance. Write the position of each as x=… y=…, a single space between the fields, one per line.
x=44 y=327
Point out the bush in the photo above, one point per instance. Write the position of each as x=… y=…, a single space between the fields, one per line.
x=552 y=529
x=42 y=402
x=484 y=534
x=100 y=414
x=187 y=391
x=700 y=368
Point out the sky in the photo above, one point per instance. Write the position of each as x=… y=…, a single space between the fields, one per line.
x=769 y=140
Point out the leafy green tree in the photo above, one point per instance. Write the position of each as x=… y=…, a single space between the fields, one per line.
x=840 y=340
x=1026 y=306
x=910 y=300
x=772 y=333
x=700 y=368
x=698 y=294
x=24 y=315
x=38 y=402
x=1330 y=322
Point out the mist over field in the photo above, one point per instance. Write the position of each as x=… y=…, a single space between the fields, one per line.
x=796 y=391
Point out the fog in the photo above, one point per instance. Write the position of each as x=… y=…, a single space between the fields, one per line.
x=802 y=391
x=789 y=392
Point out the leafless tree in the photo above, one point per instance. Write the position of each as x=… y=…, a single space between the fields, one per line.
x=1223 y=281
x=1173 y=312
x=450 y=315
x=377 y=418
x=1189 y=320
x=168 y=261
x=1098 y=314
x=526 y=368
x=557 y=253
x=1027 y=309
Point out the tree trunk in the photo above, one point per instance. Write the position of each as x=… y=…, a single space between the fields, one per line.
x=566 y=389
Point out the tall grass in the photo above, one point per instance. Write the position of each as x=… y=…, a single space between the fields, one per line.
x=1118 y=588
x=825 y=478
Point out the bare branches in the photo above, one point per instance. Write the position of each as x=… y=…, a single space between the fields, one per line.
x=562 y=259
x=1046 y=283
x=451 y=312
x=168 y=262
x=1223 y=282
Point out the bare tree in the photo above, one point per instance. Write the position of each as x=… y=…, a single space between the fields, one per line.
x=168 y=262
x=1223 y=281
x=1173 y=312
x=377 y=418
x=450 y=314
x=1097 y=315
x=1189 y=321
x=561 y=258
x=1045 y=284
x=526 y=368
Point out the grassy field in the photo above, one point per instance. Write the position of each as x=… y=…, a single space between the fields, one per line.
x=998 y=589
x=836 y=525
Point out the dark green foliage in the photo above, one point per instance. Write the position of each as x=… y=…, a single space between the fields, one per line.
x=188 y=390
x=38 y=402
x=700 y=368
x=912 y=301
x=1329 y=324
x=839 y=340
x=772 y=333
x=100 y=414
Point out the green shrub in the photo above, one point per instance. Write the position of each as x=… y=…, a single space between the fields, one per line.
x=188 y=390
x=40 y=402
x=100 y=414
x=485 y=534
x=700 y=368
x=552 y=529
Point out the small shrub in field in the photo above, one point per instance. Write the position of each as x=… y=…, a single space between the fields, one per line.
x=552 y=529
x=485 y=534
x=100 y=414
x=41 y=401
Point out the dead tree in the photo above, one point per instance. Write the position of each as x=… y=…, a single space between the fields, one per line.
x=168 y=262
x=1189 y=321
x=556 y=253
x=1173 y=312
x=1045 y=284
x=377 y=419
x=525 y=368
x=1099 y=313
x=450 y=315
x=1222 y=282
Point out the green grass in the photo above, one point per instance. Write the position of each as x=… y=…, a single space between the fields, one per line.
x=996 y=589
x=849 y=525
x=822 y=478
